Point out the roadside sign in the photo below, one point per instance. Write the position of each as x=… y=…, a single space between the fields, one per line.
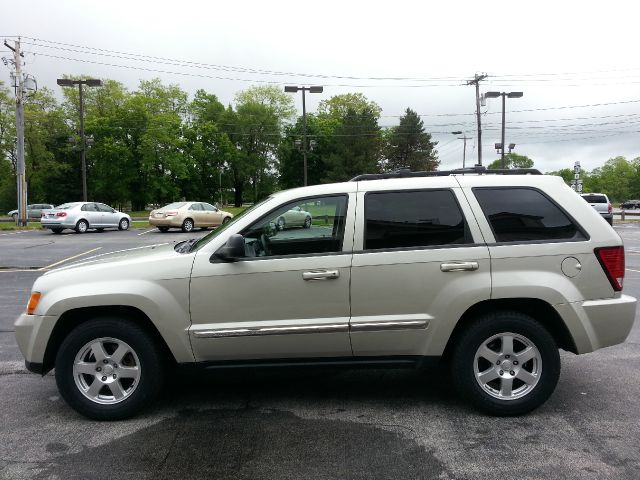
x=576 y=176
x=574 y=182
x=573 y=187
x=579 y=181
x=576 y=169
x=579 y=188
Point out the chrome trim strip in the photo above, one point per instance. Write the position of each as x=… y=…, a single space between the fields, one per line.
x=392 y=325
x=279 y=330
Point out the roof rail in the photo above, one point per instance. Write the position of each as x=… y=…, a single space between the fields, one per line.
x=477 y=169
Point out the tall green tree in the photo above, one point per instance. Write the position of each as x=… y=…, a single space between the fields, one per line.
x=410 y=146
x=512 y=160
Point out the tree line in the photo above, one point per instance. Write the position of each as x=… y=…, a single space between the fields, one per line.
x=155 y=145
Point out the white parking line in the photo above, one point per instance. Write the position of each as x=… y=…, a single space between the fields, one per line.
x=632 y=270
x=146 y=231
x=69 y=258
x=16 y=232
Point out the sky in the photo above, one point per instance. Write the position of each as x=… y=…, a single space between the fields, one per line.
x=575 y=62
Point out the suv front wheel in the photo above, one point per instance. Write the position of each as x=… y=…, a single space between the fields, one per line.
x=506 y=363
x=108 y=369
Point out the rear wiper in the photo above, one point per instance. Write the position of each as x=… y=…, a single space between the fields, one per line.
x=185 y=246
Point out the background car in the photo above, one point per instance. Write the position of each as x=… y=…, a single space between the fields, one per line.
x=630 y=204
x=601 y=203
x=33 y=210
x=82 y=216
x=296 y=217
x=187 y=216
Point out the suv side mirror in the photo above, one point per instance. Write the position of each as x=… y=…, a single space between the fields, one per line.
x=232 y=250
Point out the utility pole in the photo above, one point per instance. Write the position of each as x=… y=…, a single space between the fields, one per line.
x=20 y=170
x=464 y=147
x=476 y=81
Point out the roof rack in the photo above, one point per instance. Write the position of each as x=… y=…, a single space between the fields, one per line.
x=406 y=173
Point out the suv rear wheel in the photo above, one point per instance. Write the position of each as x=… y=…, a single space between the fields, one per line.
x=506 y=363
x=108 y=369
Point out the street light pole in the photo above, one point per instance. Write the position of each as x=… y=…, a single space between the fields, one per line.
x=464 y=147
x=91 y=82
x=294 y=89
x=83 y=158
x=504 y=95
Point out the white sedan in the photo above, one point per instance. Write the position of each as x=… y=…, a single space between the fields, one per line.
x=81 y=216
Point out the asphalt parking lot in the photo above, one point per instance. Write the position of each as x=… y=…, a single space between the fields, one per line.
x=361 y=424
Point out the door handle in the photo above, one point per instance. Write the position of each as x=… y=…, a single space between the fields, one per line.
x=321 y=275
x=459 y=266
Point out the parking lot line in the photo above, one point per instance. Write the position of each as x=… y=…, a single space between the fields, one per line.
x=632 y=270
x=146 y=231
x=69 y=258
x=15 y=233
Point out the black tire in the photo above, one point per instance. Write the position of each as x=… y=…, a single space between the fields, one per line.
x=15 y=217
x=226 y=220
x=163 y=229
x=82 y=226
x=486 y=326
x=148 y=353
x=123 y=224
x=57 y=230
x=187 y=225
x=610 y=221
x=307 y=222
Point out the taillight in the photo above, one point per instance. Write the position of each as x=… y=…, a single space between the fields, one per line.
x=612 y=261
x=171 y=214
x=61 y=214
x=610 y=208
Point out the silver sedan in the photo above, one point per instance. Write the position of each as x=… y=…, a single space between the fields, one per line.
x=81 y=216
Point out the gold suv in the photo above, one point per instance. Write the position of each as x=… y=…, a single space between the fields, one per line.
x=187 y=216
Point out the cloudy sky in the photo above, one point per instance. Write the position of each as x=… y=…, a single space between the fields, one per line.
x=576 y=62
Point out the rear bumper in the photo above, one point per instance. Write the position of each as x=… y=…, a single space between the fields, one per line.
x=596 y=324
x=165 y=222
x=53 y=224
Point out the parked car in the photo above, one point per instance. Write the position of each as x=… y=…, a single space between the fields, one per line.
x=187 y=216
x=33 y=211
x=296 y=217
x=630 y=205
x=600 y=202
x=494 y=273
x=82 y=216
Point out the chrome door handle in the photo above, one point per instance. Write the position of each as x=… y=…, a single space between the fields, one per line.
x=321 y=275
x=459 y=266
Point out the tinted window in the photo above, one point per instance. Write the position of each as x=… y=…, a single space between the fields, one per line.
x=302 y=227
x=595 y=198
x=517 y=214
x=412 y=219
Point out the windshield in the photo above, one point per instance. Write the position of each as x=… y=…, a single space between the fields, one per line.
x=207 y=238
x=595 y=198
x=175 y=205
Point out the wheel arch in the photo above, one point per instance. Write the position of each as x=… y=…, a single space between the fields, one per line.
x=538 y=309
x=74 y=317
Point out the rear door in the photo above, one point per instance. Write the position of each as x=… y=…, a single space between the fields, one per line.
x=419 y=262
x=92 y=214
x=213 y=217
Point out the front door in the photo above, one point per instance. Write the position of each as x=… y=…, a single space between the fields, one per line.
x=419 y=264
x=288 y=298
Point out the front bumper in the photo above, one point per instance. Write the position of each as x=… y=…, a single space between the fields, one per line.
x=596 y=324
x=32 y=334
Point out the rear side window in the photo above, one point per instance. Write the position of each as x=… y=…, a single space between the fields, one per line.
x=595 y=198
x=413 y=219
x=522 y=214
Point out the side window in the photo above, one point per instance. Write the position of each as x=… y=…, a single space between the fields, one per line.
x=413 y=219
x=521 y=214
x=104 y=208
x=302 y=227
x=208 y=207
x=89 y=207
x=196 y=206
